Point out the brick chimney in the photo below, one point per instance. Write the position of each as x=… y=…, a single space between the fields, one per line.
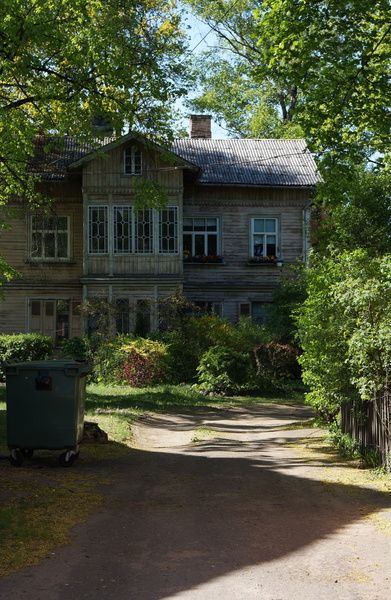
x=200 y=126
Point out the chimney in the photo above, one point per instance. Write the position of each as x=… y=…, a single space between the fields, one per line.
x=200 y=126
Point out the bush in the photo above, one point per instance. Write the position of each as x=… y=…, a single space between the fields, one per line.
x=277 y=361
x=224 y=370
x=25 y=346
x=140 y=371
x=181 y=359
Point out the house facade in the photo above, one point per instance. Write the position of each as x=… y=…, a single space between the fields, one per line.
x=235 y=213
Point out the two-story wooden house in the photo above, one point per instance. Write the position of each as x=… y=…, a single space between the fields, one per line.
x=236 y=212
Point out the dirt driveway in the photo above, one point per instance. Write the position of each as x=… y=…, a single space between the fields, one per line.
x=221 y=504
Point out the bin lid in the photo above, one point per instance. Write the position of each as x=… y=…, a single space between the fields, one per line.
x=71 y=367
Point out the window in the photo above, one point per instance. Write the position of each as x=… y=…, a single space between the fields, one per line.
x=168 y=230
x=132 y=161
x=49 y=238
x=256 y=310
x=201 y=235
x=206 y=307
x=98 y=230
x=53 y=317
x=122 y=316
x=144 y=232
x=264 y=237
x=122 y=229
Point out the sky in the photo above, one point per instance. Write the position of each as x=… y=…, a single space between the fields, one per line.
x=201 y=38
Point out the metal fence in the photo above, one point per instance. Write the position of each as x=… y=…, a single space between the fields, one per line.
x=370 y=425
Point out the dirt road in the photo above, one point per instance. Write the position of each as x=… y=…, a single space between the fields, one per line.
x=220 y=505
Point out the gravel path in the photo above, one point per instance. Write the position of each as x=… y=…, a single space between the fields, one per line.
x=220 y=504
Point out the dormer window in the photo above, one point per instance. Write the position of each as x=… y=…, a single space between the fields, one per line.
x=132 y=161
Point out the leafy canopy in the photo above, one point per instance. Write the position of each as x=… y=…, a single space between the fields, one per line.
x=64 y=63
x=248 y=107
x=338 y=55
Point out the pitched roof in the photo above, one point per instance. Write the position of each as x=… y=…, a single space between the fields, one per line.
x=53 y=155
x=267 y=162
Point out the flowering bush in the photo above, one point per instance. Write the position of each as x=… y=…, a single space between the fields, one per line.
x=140 y=371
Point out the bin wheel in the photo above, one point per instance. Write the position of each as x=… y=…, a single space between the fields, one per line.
x=27 y=452
x=67 y=458
x=16 y=458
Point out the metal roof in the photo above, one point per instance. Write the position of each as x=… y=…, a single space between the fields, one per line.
x=247 y=162
x=267 y=162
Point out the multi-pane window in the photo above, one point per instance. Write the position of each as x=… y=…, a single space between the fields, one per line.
x=143 y=232
x=264 y=237
x=98 y=241
x=201 y=235
x=49 y=237
x=132 y=161
x=168 y=230
x=121 y=230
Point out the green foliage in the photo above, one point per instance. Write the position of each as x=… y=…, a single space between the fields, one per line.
x=224 y=370
x=25 y=346
x=65 y=63
x=339 y=60
x=355 y=213
x=109 y=356
x=342 y=441
x=345 y=328
x=248 y=106
x=287 y=298
x=277 y=361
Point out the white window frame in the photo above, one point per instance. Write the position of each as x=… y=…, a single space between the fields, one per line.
x=264 y=235
x=46 y=229
x=203 y=233
x=147 y=231
x=168 y=230
x=132 y=161
x=103 y=226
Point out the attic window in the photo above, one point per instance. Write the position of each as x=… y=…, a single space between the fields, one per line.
x=132 y=161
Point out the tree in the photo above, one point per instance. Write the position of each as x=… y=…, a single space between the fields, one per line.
x=248 y=107
x=344 y=328
x=64 y=63
x=337 y=55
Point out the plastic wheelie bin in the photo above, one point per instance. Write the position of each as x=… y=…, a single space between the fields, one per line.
x=45 y=407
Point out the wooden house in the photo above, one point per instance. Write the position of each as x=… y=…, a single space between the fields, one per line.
x=236 y=212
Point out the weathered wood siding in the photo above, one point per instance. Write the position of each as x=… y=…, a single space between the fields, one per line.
x=105 y=184
x=236 y=281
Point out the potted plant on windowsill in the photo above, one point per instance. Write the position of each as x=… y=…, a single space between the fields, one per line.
x=202 y=258
x=265 y=260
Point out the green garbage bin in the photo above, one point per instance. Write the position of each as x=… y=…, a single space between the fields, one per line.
x=45 y=407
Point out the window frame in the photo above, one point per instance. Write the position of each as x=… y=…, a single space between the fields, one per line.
x=49 y=230
x=265 y=234
x=143 y=231
x=132 y=165
x=202 y=233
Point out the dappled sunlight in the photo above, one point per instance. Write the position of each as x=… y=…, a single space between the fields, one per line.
x=242 y=512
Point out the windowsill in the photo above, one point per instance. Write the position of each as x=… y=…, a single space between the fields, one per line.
x=51 y=261
x=264 y=263
x=204 y=264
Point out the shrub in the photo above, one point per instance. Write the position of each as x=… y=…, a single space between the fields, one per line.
x=277 y=361
x=140 y=371
x=222 y=369
x=25 y=346
x=181 y=359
